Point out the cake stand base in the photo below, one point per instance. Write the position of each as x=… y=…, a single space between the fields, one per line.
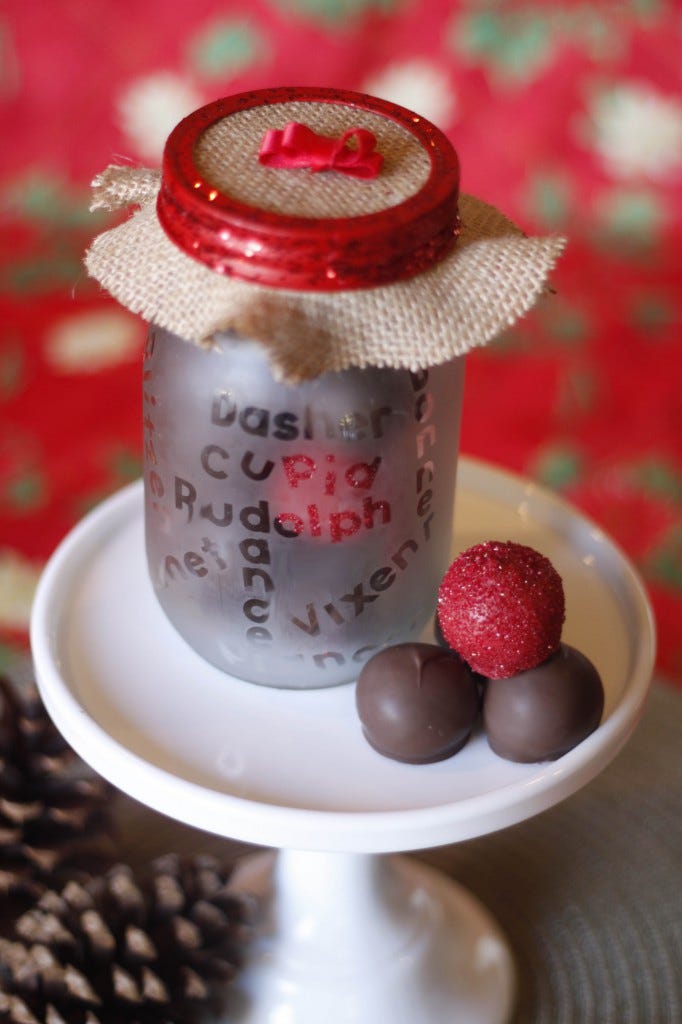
x=368 y=939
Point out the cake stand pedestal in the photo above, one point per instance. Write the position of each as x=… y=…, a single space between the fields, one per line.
x=350 y=935
x=370 y=938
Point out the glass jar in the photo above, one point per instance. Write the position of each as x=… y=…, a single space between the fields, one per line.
x=292 y=531
x=304 y=249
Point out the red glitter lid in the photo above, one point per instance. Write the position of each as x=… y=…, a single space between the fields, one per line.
x=293 y=229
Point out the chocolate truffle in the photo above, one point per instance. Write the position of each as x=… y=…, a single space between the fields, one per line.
x=541 y=714
x=417 y=702
x=501 y=607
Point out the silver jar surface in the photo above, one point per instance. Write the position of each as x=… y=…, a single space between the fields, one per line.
x=292 y=531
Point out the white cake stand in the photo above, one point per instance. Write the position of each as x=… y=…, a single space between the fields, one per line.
x=349 y=937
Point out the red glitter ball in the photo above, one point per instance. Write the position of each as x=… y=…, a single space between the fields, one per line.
x=501 y=607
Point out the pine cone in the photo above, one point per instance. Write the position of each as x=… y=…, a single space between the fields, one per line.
x=117 y=948
x=52 y=806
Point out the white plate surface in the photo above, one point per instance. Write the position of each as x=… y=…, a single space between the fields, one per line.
x=289 y=768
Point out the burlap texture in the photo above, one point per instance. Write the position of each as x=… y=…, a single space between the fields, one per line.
x=491 y=278
x=122 y=186
x=405 y=169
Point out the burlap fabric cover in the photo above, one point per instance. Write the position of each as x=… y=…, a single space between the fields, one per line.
x=491 y=278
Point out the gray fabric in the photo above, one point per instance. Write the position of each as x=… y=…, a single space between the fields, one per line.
x=589 y=893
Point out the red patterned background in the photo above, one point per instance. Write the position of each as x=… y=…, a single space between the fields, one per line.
x=566 y=115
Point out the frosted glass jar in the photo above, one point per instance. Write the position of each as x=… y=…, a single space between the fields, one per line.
x=293 y=531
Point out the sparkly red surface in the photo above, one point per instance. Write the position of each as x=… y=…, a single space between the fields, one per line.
x=269 y=248
x=565 y=115
x=501 y=607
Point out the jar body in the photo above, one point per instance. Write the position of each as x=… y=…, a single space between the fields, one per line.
x=293 y=531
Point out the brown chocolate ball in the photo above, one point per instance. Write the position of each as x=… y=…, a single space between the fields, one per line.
x=417 y=702
x=542 y=713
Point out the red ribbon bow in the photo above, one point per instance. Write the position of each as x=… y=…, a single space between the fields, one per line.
x=296 y=145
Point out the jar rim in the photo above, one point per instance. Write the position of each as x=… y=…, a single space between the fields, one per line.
x=308 y=253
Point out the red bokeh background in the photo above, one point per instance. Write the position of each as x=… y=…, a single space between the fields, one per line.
x=567 y=116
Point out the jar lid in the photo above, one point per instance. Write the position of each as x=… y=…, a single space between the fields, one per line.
x=375 y=260
x=271 y=225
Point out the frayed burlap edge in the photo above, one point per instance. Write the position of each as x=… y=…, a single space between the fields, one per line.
x=490 y=279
